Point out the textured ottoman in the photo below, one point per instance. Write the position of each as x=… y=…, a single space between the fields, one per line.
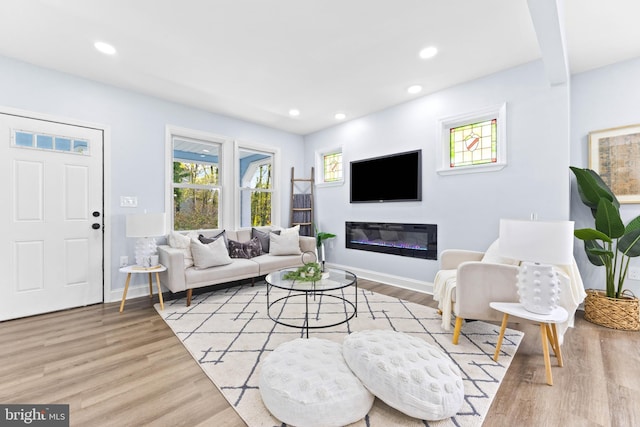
x=306 y=382
x=406 y=373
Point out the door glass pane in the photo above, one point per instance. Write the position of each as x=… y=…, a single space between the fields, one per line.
x=44 y=142
x=63 y=144
x=24 y=139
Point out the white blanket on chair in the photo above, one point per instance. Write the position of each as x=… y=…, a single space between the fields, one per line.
x=443 y=286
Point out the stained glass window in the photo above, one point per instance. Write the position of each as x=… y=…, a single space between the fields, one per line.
x=332 y=167
x=473 y=144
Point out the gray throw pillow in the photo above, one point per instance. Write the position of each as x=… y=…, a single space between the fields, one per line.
x=263 y=237
x=207 y=240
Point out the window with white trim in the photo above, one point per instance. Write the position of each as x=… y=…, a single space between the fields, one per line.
x=196 y=184
x=330 y=167
x=473 y=142
x=256 y=187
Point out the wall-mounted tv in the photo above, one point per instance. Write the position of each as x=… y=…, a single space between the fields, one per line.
x=392 y=178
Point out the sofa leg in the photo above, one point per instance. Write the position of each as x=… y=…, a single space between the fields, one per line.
x=253 y=282
x=189 y=294
x=456 y=330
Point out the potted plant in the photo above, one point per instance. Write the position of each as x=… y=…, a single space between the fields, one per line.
x=610 y=244
x=321 y=236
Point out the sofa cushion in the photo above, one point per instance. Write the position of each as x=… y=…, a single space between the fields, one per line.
x=210 y=255
x=270 y=263
x=247 y=250
x=406 y=373
x=238 y=269
x=183 y=242
x=207 y=240
x=285 y=244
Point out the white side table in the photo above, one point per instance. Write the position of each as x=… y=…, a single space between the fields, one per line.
x=134 y=269
x=547 y=329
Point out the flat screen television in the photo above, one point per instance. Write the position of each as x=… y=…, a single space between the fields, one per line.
x=392 y=178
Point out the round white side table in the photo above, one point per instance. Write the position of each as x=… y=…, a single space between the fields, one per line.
x=134 y=269
x=547 y=329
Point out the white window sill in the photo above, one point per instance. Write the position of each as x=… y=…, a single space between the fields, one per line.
x=490 y=167
x=330 y=184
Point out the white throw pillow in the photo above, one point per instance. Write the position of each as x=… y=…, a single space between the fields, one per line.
x=295 y=229
x=284 y=244
x=406 y=373
x=210 y=255
x=183 y=242
x=493 y=255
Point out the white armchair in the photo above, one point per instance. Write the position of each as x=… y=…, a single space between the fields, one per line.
x=469 y=281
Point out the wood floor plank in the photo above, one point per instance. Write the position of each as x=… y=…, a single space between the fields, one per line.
x=129 y=369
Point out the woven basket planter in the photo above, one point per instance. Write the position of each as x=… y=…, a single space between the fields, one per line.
x=616 y=313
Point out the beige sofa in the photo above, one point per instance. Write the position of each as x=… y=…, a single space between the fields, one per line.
x=181 y=275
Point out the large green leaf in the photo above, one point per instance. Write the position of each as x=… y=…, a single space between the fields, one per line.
x=634 y=224
x=587 y=234
x=606 y=191
x=591 y=247
x=592 y=188
x=608 y=219
x=629 y=244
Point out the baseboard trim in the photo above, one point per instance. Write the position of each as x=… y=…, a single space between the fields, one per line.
x=388 y=279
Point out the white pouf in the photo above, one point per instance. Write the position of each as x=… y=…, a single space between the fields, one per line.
x=306 y=382
x=406 y=373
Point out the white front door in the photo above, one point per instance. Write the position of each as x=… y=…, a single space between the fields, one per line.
x=51 y=192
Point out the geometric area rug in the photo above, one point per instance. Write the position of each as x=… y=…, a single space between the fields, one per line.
x=228 y=332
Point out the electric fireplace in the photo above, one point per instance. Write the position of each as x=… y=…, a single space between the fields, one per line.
x=410 y=240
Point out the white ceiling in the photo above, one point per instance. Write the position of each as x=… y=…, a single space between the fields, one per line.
x=257 y=59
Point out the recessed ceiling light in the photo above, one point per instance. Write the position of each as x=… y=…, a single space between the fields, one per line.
x=428 y=52
x=204 y=150
x=105 y=48
x=414 y=89
x=340 y=116
x=294 y=112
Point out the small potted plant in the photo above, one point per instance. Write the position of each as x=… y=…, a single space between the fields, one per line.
x=612 y=245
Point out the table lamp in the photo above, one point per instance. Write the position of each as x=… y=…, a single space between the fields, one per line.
x=145 y=227
x=537 y=244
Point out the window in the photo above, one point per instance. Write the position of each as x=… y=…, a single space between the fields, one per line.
x=196 y=184
x=256 y=187
x=474 y=142
x=26 y=139
x=330 y=167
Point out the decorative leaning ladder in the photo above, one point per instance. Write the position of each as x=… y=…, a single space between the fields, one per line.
x=302 y=203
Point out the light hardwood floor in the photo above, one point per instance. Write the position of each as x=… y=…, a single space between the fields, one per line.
x=128 y=369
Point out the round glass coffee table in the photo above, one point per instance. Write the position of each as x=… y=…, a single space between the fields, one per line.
x=299 y=304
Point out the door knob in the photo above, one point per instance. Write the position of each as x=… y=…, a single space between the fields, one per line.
x=96 y=214
x=95 y=226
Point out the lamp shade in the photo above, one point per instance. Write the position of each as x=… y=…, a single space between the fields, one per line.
x=545 y=242
x=145 y=225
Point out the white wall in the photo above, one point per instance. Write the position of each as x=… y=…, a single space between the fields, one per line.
x=467 y=208
x=601 y=99
x=137 y=123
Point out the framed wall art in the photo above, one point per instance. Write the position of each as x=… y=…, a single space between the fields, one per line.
x=615 y=155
